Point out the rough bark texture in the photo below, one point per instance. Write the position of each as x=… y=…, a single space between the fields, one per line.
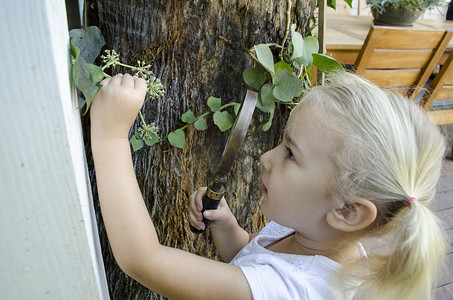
x=198 y=49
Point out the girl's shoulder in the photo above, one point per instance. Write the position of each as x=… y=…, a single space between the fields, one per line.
x=273 y=275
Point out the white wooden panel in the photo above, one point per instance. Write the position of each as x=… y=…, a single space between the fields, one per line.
x=49 y=247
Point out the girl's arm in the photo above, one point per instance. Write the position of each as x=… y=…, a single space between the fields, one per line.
x=228 y=236
x=173 y=273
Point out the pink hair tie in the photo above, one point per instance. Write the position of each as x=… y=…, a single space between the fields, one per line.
x=409 y=200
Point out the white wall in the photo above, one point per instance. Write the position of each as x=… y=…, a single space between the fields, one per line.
x=49 y=246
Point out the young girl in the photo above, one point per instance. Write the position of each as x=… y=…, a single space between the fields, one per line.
x=355 y=162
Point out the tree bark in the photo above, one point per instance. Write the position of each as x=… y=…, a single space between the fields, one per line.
x=198 y=49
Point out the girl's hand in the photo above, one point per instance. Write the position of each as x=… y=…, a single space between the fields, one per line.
x=218 y=217
x=116 y=105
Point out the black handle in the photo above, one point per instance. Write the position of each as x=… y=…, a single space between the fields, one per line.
x=208 y=204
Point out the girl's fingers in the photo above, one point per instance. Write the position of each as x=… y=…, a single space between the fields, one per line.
x=194 y=221
x=116 y=80
x=199 y=198
x=195 y=216
x=127 y=81
x=218 y=214
x=140 y=83
x=105 y=82
x=193 y=210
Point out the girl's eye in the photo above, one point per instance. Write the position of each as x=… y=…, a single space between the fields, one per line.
x=290 y=154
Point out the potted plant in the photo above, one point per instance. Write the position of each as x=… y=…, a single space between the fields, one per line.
x=399 y=12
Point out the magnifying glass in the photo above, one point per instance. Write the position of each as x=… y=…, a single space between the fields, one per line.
x=216 y=189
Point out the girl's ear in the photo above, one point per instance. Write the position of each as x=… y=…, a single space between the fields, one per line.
x=353 y=216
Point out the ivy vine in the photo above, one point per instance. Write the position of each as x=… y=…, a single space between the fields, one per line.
x=281 y=74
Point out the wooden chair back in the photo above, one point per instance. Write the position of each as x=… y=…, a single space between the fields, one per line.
x=401 y=58
x=440 y=93
x=438 y=100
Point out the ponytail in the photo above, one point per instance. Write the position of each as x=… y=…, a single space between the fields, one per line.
x=409 y=270
x=389 y=152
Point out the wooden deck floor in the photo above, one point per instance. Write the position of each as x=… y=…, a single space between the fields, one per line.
x=443 y=206
x=444 y=209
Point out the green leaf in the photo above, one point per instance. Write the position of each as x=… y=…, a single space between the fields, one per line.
x=296 y=64
x=188 y=117
x=266 y=98
x=96 y=73
x=81 y=102
x=332 y=4
x=75 y=51
x=265 y=57
x=236 y=108
x=286 y=86
x=268 y=124
x=266 y=103
x=81 y=76
x=349 y=2
x=298 y=45
x=155 y=138
x=214 y=103
x=136 y=143
x=326 y=63
x=223 y=120
x=311 y=45
x=281 y=65
x=177 y=138
x=254 y=77
x=90 y=42
x=201 y=124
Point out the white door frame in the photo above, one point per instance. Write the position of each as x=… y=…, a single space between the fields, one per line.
x=49 y=245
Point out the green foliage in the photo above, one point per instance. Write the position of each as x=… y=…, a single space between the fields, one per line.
x=223 y=120
x=286 y=86
x=265 y=57
x=281 y=82
x=326 y=63
x=85 y=46
x=285 y=81
x=281 y=65
x=200 y=124
x=188 y=117
x=297 y=43
x=281 y=75
x=214 y=103
x=311 y=46
x=254 y=77
x=90 y=42
x=333 y=3
x=411 y=5
x=177 y=138
x=82 y=77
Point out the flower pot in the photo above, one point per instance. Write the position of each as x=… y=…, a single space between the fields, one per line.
x=396 y=16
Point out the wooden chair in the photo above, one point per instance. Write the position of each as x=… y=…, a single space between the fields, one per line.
x=438 y=100
x=401 y=58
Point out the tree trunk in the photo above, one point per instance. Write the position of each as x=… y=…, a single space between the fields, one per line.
x=198 y=49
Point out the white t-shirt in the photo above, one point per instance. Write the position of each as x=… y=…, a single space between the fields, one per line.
x=273 y=275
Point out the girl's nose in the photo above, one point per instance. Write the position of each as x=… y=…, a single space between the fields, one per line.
x=265 y=160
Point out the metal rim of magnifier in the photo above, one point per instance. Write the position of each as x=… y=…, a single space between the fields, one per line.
x=238 y=132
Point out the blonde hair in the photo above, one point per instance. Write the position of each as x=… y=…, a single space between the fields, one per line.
x=387 y=151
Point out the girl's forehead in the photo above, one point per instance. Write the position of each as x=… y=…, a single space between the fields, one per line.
x=306 y=124
x=301 y=116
